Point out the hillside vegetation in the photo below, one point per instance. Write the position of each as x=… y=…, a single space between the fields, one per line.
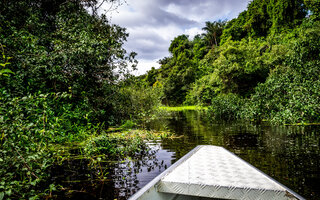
x=65 y=79
x=62 y=75
x=262 y=65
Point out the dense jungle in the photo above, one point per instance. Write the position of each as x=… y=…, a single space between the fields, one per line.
x=66 y=87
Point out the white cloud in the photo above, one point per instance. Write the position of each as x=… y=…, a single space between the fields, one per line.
x=152 y=24
x=193 y=32
x=145 y=65
x=150 y=42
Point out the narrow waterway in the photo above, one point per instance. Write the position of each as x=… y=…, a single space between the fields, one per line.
x=290 y=154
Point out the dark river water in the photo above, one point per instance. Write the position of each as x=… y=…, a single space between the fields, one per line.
x=290 y=155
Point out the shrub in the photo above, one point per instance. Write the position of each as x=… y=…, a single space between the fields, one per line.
x=138 y=103
x=225 y=107
x=291 y=92
x=30 y=127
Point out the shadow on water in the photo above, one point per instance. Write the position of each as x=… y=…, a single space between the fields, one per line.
x=120 y=179
x=291 y=155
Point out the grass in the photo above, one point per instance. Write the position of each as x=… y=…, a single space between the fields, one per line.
x=112 y=143
x=182 y=108
x=143 y=134
x=303 y=124
x=123 y=143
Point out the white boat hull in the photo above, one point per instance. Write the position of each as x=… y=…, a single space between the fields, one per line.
x=212 y=172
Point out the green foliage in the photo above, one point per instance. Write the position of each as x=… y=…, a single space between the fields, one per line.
x=115 y=146
x=179 y=71
x=151 y=77
x=290 y=93
x=235 y=66
x=241 y=65
x=64 y=77
x=29 y=127
x=68 y=50
x=213 y=32
x=122 y=144
x=314 y=7
x=286 y=97
x=225 y=107
x=4 y=70
x=265 y=68
x=234 y=29
x=183 y=108
x=138 y=103
x=263 y=18
x=68 y=65
x=128 y=124
x=204 y=89
x=199 y=48
x=257 y=18
x=286 y=14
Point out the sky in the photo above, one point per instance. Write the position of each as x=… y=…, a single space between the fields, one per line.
x=153 y=24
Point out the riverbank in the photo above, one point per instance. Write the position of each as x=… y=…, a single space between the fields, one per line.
x=41 y=170
x=182 y=108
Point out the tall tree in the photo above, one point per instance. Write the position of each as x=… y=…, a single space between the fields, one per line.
x=268 y=16
x=62 y=47
x=213 y=32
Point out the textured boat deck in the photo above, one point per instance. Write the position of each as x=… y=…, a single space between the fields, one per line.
x=215 y=172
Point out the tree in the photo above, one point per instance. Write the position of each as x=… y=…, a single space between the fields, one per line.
x=286 y=14
x=151 y=77
x=314 y=7
x=264 y=17
x=60 y=47
x=178 y=71
x=213 y=32
x=234 y=29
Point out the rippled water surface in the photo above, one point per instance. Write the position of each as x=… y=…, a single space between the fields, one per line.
x=291 y=155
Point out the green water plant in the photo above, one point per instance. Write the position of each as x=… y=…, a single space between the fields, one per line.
x=124 y=143
x=182 y=108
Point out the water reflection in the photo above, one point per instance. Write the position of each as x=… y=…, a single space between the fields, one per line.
x=290 y=155
x=131 y=175
x=124 y=178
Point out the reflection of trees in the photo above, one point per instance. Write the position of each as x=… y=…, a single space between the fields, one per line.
x=80 y=181
x=126 y=182
x=289 y=154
